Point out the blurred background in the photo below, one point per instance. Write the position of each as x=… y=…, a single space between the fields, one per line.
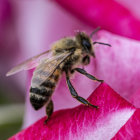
x=27 y=28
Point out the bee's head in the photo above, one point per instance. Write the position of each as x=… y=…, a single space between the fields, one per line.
x=86 y=43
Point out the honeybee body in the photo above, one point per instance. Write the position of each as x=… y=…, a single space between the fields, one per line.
x=41 y=94
x=66 y=54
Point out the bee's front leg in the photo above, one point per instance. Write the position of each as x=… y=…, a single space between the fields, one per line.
x=75 y=95
x=86 y=60
x=82 y=71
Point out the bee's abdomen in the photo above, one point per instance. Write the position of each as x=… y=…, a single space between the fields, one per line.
x=39 y=96
x=42 y=94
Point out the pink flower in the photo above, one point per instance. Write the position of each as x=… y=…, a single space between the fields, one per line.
x=118 y=66
x=115 y=119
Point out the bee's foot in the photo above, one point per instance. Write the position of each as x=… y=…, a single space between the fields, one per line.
x=45 y=122
x=101 y=81
x=93 y=105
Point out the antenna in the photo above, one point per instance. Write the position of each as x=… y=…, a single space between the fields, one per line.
x=96 y=30
x=102 y=43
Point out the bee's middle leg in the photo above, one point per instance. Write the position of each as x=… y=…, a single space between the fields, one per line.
x=49 y=110
x=75 y=95
x=82 y=71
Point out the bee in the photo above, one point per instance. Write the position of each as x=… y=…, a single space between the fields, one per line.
x=63 y=57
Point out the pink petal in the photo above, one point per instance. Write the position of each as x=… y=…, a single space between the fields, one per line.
x=84 y=122
x=131 y=130
x=133 y=6
x=109 y=14
x=118 y=65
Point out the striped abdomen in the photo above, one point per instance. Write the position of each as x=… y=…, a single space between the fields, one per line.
x=41 y=95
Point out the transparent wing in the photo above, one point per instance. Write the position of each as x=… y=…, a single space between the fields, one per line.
x=47 y=68
x=29 y=63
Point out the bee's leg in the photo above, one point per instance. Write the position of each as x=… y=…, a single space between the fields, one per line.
x=75 y=95
x=87 y=74
x=86 y=60
x=49 y=110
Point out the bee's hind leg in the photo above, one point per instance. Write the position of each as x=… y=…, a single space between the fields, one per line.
x=82 y=71
x=75 y=95
x=49 y=110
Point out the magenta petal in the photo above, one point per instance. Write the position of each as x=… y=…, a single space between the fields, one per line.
x=118 y=65
x=109 y=14
x=84 y=122
x=131 y=130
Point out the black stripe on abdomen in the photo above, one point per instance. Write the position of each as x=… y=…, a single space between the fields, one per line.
x=48 y=84
x=43 y=91
x=39 y=96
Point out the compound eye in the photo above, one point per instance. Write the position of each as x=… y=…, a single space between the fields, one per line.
x=86 y=44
